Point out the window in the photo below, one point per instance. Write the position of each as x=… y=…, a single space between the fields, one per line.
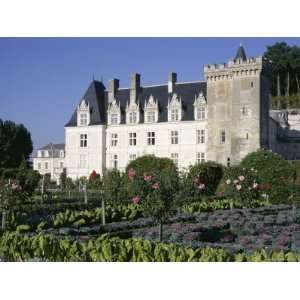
x=222 y=136
x=251 y=84
x=201 y=113
x=83 y=119
x=114 y=118
x=132 y=138
x=82 y=161
x=132 y=157
x=46 y=165
x=174 y=137
x=174 y=115
x=228 y=162
x=247 y=136
x=39 y=166
x=200 y=157
x=83 y=140
x=151 y=138
x=114 y=139
x=114 y=161
x=132 y=117
x=174 y=157
x=42 y=153
x=150 y=117
x=61 y=153
x=61 y=164
x=200 y=136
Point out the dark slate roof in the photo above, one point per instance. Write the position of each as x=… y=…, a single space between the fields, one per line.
x=187 y=91
x=241 y=54
x=95 y=97
x=53 y=146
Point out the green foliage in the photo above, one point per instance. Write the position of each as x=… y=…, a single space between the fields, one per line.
x=151 y=163
x=273 y=172
x=115 y=187
x=201 y=180
x=19 y=247
x=94 y=181
x=15 y=144
x=28 y=179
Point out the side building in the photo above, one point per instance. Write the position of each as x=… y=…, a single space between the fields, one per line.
x=50 y=160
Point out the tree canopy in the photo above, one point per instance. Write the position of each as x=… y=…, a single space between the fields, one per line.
x=285 y=75
x=15 y=144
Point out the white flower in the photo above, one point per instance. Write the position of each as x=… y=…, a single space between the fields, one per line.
x=228 y=181
x=235 y=181
x=241 y=178
x=252 y=169
x=255 y=185
x=238 y=187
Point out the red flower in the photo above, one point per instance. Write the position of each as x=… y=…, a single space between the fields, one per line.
x=136 y=199
x=156 y=185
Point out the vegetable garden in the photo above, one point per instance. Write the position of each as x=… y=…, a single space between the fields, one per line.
x=152 y=212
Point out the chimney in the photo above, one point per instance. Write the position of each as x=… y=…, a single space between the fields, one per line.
x=172 y=78
x=113 y=86
x=135 y=85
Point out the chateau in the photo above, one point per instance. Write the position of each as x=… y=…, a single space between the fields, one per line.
x=220 y=119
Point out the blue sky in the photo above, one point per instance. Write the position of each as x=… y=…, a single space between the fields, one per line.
x=43 y=79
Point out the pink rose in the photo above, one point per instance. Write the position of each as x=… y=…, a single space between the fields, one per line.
x=156 y=186
x=201 y=186
x=238 y=187
x=136 y=199
x=147 y=177
x=241 y=178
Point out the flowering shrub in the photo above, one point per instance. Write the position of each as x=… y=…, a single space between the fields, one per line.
x=154 y=192
x=201 y=180
x=241 y=184
x=94 y=181
x=274 y=170
x=11 y=193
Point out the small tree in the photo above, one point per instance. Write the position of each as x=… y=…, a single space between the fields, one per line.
x=155 y=192
x=94 y=181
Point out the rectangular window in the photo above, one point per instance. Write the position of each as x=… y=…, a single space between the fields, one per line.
x=132 y=157
x=151 y=138
x=82 y=161
x=46 y=165
x=222 y=136
x=61 y=164
x=174 y=157
x=39 y=166
x=174 y=137
x=132 y=138
x=150 y=117
x=114 y=140
x=201 y=113
x=174 y=115
x=42 y=153
x=132 y=117
x=200 y=136
x=200 y=157
x=115 y=161
x=245 y=111
x=83 y=119
x=83 y=140
x=114 y=118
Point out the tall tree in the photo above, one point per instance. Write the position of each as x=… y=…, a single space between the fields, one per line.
x=15 y=144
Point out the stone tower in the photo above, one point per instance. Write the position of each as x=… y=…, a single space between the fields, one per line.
x=238 y=113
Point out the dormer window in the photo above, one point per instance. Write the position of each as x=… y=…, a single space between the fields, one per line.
x=175 y=109
x=174 y=115
x=151 y=110
x=132 y=117
x=83 y=119
x=132 y=113
x=114 y=113
x=200 y=107
x=61 y=153
x=83 y=113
